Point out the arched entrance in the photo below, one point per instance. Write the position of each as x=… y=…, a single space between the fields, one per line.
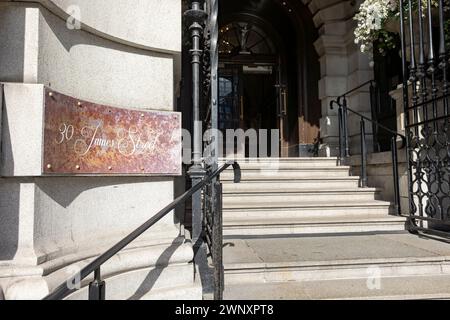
x=269 y=71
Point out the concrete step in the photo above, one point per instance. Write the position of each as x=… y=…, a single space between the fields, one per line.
x=391 y=288
x=287 y=164
x=287 y=190
x=363 y=210
x=308 y=206
x=292 y=196
x=284 y=173
x=333 y=257
x=313 y=225
x=299 y=184
x=306 y=160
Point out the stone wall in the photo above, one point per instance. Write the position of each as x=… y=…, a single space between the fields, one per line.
x=342 y=66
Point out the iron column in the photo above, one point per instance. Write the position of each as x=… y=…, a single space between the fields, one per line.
x=196 y=17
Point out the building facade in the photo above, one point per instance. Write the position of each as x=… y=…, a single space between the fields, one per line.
x=281 y=64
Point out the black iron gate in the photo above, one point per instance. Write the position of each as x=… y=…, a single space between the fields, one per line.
x=425 y=61
x=207 y=205
x=212 y=194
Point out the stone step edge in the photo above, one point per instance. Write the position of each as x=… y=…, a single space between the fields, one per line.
x=338 y=264
x=277 y=176
x=281 y=168
x=437 y=296
x=353 y=205
x=225 y=160
x=439 y=293
x=281 y=191
x=344 y=220
x=320 y=179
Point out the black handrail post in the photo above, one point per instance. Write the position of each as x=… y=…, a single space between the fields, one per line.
x=341 y=133
x=346 y=142
x=374 y=95
x=97 y=288
x=396 y=175
x=218 y=244
x=363 y=155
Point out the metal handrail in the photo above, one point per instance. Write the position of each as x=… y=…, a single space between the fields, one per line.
x=344 y=150
x=340 y=104
x=403 y=137
x=355 y=89
x=63 y=290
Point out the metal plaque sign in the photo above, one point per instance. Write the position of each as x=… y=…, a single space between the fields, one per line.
x=88 y=138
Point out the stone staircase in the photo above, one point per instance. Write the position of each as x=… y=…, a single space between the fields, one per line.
x=301 y=195
x=301 y=228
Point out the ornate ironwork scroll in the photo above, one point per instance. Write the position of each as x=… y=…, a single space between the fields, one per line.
x=426 y=95
x=213 y=233
x=212 y=194
x=210 y=83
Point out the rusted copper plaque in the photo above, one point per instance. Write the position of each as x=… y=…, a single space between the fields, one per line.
x=88 y=138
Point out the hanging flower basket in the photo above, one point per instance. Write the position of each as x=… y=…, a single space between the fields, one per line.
x=379 y=22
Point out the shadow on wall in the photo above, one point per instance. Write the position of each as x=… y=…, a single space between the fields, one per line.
x=71 y=38
x=9 y=200
x=81 y=77
x=162 y=263
x=12 y=39
x=9 y=219
x=6 y=145
x=86 y=204
x=64 y=190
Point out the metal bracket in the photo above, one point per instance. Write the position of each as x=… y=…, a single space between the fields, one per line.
x=237 y=172
x=97 y=290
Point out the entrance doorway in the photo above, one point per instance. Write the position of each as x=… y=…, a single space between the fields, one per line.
x=268 y=70
x=248 y=83
x=268 y=73
x=247 y=98
x=248 y=101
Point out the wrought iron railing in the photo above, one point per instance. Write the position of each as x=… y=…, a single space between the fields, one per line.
x=344 y=143
x=213 y=231
x=213 y=228
x=212 y=195
x=426 y=72
x=203 y=25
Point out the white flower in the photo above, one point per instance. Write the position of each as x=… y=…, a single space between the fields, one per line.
x=370 y=19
